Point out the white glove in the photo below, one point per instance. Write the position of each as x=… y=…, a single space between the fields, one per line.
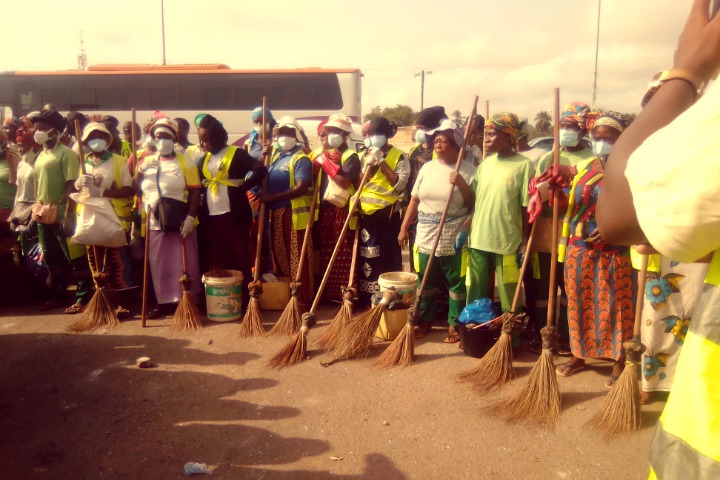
x=373 y=157
x=83 y=181
x=147 y=164
x=187 y=226
x=94 y=191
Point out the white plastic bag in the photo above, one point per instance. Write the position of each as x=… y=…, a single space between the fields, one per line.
x=97 y=223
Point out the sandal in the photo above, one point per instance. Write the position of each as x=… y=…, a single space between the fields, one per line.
x=75 y=309
x=563 y=350
x=122 y=313
x=155 y=312
x=421 y=330
x=568 y=369
x=453 y=336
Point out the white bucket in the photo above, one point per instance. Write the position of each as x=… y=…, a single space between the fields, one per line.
x=223 y=295
x=405 y=284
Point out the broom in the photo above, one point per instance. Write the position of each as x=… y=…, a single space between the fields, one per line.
x=187 y=316
x=99 y=310
x=294 y=351
x=342 y=318
x=620 y=410
x=539 y=398
x=495 y=368
x=146 y=261
x=252 y=325
x=290 y=322
x=402 y=350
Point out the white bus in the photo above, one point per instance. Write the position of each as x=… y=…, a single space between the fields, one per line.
x=310 y=95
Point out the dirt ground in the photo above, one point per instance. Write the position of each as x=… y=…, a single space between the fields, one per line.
x=75 y=406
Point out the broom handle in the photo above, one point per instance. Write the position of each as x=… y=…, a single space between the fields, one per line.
x=640 y=301
x=525 y=262
x=184 y=254
x=133 y=139
x=308 y=232
x=353 y=262
x=461 y=154
x=261 y=226
x=487 y=117
x=146 y=261
x=343 y=232
x=552 y=292
x=78 y=134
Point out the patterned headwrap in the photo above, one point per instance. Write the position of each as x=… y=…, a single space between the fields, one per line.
x=24 y=136
x=613 y=120
x=577 y=112
x=507 y=123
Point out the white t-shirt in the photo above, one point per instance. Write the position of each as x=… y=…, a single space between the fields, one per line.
x=26 y=178
x=432 y=187
x=172 y=183
x=104 y=174
x=217 y=203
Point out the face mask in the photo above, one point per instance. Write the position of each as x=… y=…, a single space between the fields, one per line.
x=334 y=140
x=149 y=141
x=287 y=143
x=420 y=136
x=601 y=148
x=569 y=138
x=367 y=142
x=97 y=144
x=165 y=146
x=41 y=137
x=257 y=129
x=378 y=141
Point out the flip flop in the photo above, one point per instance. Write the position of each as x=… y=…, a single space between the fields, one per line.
x=453 y=337
x=563 y=350
x=567 y=369
x=75 y=309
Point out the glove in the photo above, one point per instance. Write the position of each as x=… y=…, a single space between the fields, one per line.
x=188 y=226
x=460 y=242
x=373 y=157
x=148 y=164
x=83 y=181
x=94 y=191
x=535 y=206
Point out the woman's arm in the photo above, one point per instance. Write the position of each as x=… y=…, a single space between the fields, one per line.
x=410 y=215
x=193 y=201
x=300 y=189
x=122 y=192
x=465 y=190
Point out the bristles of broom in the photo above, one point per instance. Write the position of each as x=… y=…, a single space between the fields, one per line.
x=620 y=411
x=295 y=350
x=290 y=321
x=538 y=400
x=99 y=311
x=187 y=316
x=401 y=350
x=495 y=368
x=355 y=340
x=251 y=325
x=329 y=338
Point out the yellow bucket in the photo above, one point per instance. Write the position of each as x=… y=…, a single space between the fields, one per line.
x=275 y=295
x=391 y=323
x=405 y=284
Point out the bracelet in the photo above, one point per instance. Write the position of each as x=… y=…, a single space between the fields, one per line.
x=673 y=74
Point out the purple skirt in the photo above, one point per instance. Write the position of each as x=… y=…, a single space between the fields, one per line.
x=166 y=266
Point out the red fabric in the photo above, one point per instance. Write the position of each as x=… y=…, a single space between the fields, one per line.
x=330 y=161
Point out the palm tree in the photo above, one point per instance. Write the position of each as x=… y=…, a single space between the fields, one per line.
x=457 y=117
x=543 y=123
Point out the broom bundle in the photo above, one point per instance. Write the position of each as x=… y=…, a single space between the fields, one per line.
x=495 y=367
x=539 y=398
x=294 y=351
x=251 y=325
x=402 y=350
x=620 y=410
x=187 y=316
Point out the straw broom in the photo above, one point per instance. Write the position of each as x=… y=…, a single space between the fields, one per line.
x=495 y=368
x=620 y=410
x=402 y=350
x=294 y=351
x=252 y=324
x=187 y=316
x=344 y=316
x=99 y=310
x=539 y=398
x=290 y=321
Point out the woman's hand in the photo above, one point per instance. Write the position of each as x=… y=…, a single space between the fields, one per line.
x=403 y=238
x=645 y=249
x=699 y=43
x=266 y=197
x=594 y=237
x=267 y=149
x=457 y=179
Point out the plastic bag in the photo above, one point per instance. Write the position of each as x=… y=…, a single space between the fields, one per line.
x=97 y=223
x=480 y=311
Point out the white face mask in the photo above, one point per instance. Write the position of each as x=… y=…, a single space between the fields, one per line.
x=367 y=142
x=257 y=128
x=97 y=144
x=149 y=141
x=378 y=141
x=420 y=136
x=165 y=146
x=569 y=138
x=601 y=148
x=41 y=137
x=334 y=140
x=287 y=143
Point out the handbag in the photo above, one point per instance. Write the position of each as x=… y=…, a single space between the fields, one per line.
x=335 y=194
x=20 y=216
x=45 y=214
x=169 y=212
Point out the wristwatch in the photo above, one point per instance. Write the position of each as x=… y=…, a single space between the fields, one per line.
x=661 y=78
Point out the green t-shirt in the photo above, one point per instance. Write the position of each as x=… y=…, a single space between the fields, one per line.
x=566 y=158
x=7 y=189
x=54 y=168
x=501 y=195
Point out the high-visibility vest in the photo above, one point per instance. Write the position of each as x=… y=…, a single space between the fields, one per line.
x=687 y=440
x=378 y=192
x=300 y=205
x=125 y=149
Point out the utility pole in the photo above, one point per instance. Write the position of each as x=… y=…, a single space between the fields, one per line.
x=162 y=17
x=422 y=86
x=82 y=58
x=597 y=50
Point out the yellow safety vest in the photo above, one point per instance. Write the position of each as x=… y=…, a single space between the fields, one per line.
x=220 y=177
x=378 y=192
x=687 y=439
x=300 y=205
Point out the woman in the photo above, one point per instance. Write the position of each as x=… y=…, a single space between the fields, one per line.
x=26 y=186
x=170 y=175
x=227 y=172
x=253 y=145
x=338 y=169
x=57 y=167
x=599 y=280
x=9 y=160
x=427 y=203
x=107 y=176
x=287 y=198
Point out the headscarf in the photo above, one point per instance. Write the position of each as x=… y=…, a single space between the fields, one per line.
x=507 y=123
x=198 y=118
x=321 y=125
x=25 y=136
x=257 y=115
x=382 y=126
x=613 y=120
x=577 y=112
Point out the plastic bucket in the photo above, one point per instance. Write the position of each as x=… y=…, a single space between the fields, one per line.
x=391 y=323
x=476 y=342
x=275 y=295
x=405 y=284
x=223 y=295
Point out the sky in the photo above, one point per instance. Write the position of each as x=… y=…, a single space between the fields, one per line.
x=511 y=53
